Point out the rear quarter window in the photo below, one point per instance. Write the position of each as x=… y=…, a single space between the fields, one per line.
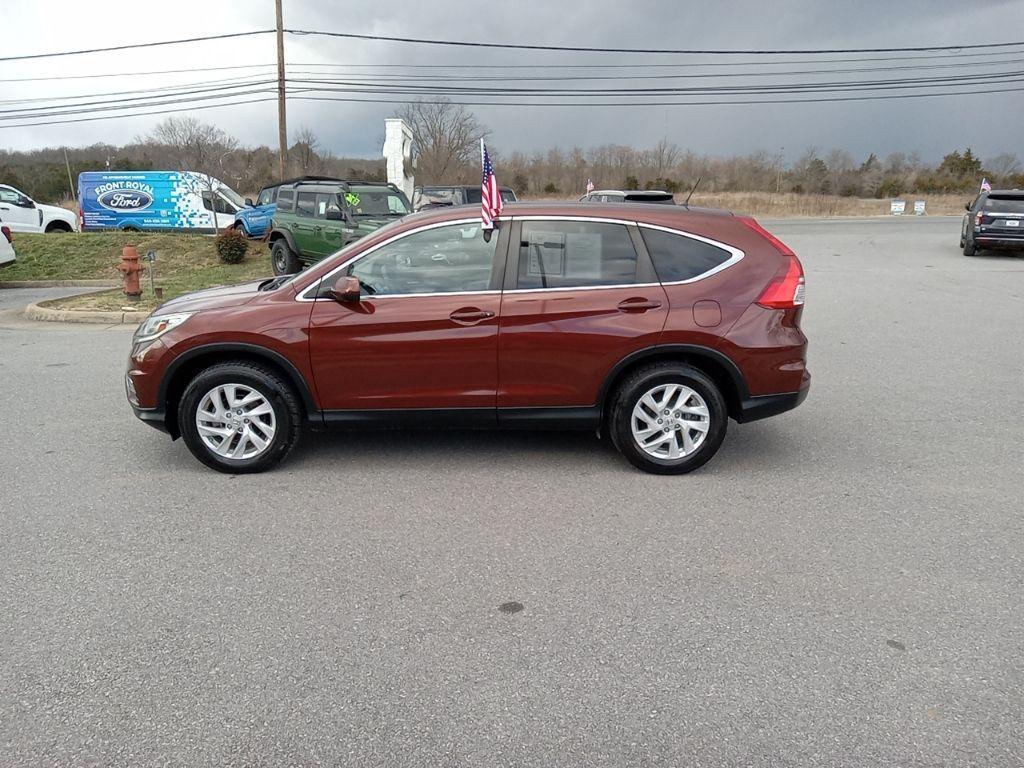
x=677 y=258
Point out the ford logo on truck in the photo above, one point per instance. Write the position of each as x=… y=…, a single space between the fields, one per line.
x=125 y=199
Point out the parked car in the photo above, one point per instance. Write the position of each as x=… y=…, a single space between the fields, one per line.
x=156 y=201
x=630 y=196
x=994 y=220
x=255 y=218
x=21 y=213
x=314 y=219
x=651 y=324
x=466 y=194
x=7 y=255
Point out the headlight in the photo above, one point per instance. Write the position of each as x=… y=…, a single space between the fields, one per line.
x=156 y=326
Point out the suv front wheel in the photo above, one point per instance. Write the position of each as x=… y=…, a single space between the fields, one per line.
x=284 y=261
x=668 y=419
x=239 y=417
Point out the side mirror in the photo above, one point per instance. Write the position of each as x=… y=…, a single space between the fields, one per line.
x=967 y=207
x=249 y=202
x=346 y=289
x=26 y=202
x=334 y=214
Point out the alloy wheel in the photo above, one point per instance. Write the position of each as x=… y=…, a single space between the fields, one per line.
x=670 y=421
x=236 y=422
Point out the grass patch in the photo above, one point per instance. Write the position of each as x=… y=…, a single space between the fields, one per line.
x=183 y=263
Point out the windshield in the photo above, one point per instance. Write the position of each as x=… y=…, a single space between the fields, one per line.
x=376 y=201
x=1005 y=204
x=231 y=195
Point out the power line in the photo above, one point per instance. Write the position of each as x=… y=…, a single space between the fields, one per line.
x=131 y=74
x=135 y=45
x=661 y=103
x=680 y=51
x=142 y=114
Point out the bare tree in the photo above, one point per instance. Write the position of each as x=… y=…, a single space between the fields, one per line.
x=305 y=151
x=194 y=146
x=664 y=155
x=1003 y=166
x=446 y=140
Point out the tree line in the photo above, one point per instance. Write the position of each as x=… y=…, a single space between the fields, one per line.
x=447 y=139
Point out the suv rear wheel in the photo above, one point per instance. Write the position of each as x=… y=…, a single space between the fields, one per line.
x=285 y=262
x=668 y=419
x=970 y=249
x=239 y=417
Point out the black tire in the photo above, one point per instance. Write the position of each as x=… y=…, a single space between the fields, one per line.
x=641 y=381
x=274 y=389
x=58 y=227
x=970 y=249
x=283 y=260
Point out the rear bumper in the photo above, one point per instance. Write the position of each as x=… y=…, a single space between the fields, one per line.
x=763 y=406
x=1000 y=240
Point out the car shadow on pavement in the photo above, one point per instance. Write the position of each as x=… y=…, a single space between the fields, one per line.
x=760 y=445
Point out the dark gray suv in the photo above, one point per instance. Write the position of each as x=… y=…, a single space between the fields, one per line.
x=994 y=220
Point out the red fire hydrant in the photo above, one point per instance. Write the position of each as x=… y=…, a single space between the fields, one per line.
x=130 y=270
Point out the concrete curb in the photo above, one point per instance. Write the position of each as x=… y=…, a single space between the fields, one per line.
x=58 y=284
x=95 y=316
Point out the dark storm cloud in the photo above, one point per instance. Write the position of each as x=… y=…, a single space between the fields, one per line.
x=989 y=123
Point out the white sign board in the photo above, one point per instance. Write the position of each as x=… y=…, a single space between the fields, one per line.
x=896 y=207
x=919 y=207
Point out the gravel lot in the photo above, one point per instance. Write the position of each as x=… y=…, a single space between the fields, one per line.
x=840 y=586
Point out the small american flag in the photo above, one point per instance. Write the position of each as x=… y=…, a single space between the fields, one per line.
x=590 y=186
x=985 y=186
x=490 y=195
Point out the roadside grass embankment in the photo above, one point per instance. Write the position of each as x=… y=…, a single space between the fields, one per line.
x=183 y=263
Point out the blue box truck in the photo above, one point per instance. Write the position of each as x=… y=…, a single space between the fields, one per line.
x=169 y=201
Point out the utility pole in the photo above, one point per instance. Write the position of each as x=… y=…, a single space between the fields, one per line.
x=71 y=184
x=282 y=129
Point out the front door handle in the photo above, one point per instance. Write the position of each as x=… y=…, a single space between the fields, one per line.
x=470 y=315
x=638 y=305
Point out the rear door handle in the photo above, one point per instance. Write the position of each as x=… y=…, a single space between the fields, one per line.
x=470 y=315
x=638 y=305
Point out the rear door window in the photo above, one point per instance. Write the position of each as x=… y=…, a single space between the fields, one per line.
x=285 y=199
x=305 y=204
x=575 y=254
x=677 y=257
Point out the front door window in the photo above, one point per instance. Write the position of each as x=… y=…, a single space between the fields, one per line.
x=449 y=259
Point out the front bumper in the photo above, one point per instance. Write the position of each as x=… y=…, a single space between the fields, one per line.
x=762 y=406
x=155 y=417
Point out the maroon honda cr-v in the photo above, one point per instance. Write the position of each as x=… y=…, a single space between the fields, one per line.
x=651 y=324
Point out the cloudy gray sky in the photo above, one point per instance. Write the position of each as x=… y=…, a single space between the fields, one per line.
x=988 y=123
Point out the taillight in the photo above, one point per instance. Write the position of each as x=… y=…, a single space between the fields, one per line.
x=786 y=289
x=981 y=219
x=81 y=220
x=7 y=234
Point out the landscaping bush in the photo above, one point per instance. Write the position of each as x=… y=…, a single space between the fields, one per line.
x=231 y=246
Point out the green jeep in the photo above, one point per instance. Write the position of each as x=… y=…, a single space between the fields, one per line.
x=315 y=218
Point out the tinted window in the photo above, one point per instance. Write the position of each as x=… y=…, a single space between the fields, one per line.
x=508 y=195
x=439 y=260
x=572 y=254
x=285 y=198
x=376 y=201
x=1005 y=204
x=305 y=204
x=681 y=258
x=214 y=202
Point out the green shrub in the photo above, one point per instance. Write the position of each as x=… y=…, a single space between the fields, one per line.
x=231 y=246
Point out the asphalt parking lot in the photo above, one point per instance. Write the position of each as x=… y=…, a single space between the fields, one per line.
x=840 y=586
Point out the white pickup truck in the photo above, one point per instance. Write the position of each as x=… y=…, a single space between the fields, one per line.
x=23 y=214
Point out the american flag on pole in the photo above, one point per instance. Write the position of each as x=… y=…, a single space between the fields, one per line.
x=985 y=186
x=590 y=186
x=490 y=196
